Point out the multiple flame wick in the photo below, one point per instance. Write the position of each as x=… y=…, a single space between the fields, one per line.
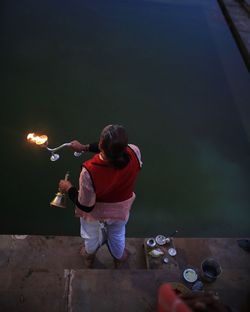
x=42 y=140
x=37 y=139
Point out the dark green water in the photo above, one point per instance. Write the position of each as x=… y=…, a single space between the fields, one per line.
x=169 y=71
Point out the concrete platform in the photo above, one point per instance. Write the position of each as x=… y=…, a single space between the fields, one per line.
x=47 y=274
x=116 y=290
x=34 y=271
x=233 y=285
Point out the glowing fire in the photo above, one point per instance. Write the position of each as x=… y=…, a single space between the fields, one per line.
x=38 y=139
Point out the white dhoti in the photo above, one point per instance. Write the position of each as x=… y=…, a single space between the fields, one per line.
x=95 y=233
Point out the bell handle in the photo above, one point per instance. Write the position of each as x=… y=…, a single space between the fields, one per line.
x=66 y=176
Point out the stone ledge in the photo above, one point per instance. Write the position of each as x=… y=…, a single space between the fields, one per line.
x=239 y=22
x=46 y=273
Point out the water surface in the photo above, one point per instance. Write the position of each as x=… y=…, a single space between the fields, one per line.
x=169 y=71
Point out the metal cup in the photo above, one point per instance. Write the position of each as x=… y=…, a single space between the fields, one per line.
x=210 y=270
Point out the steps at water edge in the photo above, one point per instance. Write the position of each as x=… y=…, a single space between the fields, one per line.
x=114 y=290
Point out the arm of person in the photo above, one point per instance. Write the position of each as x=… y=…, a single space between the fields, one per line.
x=85 y=198
x=137 y=153
x=73 y=195
x=86 y=195
x=78 y=147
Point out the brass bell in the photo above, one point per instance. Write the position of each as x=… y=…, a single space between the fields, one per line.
x=60 y=198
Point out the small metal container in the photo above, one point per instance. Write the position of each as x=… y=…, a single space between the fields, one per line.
x=210 y=270
x=168 y=240
x=172 y=252
x=151 y=242
x=161 y=240
x=165 y=260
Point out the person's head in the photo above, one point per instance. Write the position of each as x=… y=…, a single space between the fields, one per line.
x=113 y=143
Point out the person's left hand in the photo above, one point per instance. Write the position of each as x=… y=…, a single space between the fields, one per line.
x=64 y=185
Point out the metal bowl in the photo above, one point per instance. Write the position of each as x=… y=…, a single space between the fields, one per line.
x=172 y=252
x=161 y=240
x=190 y=275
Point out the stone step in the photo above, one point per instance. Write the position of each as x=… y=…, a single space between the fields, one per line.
x=82 y=290
x=46 y=274
x=114 y=290
x=136 y=290
x=34 y=270
x=60 y=252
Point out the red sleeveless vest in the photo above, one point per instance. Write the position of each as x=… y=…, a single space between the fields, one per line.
x=111 y=184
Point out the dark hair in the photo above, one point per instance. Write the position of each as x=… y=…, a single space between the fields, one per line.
x=113 y=141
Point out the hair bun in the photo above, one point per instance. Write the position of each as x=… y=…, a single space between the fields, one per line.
x=114 y=141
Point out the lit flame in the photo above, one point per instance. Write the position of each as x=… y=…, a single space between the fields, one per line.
x=38 y=139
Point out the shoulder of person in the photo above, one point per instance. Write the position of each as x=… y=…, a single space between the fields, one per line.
x=137 y=151
x=134 y=147
x=85 y=175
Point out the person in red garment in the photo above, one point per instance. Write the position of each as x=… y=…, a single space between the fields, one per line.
x=198 y=301
x=105 y=194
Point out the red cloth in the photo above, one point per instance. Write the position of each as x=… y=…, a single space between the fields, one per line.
x=111 y=184
x=168 y=300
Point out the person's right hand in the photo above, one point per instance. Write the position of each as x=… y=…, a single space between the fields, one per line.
x=78 y=147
